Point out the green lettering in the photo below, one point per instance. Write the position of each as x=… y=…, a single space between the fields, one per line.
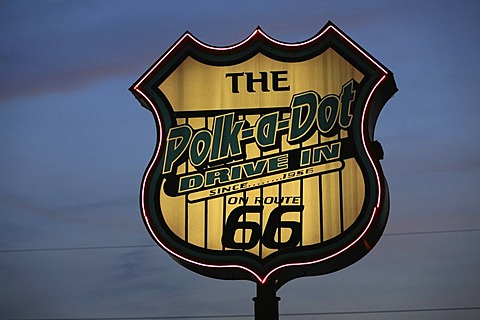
x=328 y=152
x=221 y=175
x=190 y=182
x=303 y=107
x=327 y=113
x=267 y=130
x=226 y=141
x=347 y=97
x=177 y=142
x=251 y=169
x=200 y=147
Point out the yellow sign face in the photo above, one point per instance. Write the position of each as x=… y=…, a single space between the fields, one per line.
x=265 y=165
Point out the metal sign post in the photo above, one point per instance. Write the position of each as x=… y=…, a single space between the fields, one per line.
x=266 y=302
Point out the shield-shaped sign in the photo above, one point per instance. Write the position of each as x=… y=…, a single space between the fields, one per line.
x=265 y=165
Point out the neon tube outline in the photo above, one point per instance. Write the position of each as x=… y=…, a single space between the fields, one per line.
x=257 y=30
x=157 y=152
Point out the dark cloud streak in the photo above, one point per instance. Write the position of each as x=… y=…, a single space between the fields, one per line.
x=58 y=46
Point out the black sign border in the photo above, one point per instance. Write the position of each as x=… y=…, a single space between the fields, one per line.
x=378 y=86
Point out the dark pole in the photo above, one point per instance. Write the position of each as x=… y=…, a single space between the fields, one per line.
x=266 y=302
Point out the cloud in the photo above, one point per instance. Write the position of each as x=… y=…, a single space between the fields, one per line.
x=56 y=46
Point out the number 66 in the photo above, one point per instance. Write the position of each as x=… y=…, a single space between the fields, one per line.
x=274 y=224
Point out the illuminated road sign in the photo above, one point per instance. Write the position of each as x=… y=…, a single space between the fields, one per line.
x=265 y=165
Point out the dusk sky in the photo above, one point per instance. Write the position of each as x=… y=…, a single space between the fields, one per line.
x=75 y=143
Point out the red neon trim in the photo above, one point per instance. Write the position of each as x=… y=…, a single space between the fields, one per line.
x=157 y=152
x=198 y=42
x=320 y=35
x=374 y=209
x=248 y=39
x=144 y=210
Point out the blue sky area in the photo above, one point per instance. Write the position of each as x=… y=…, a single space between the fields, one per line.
x=74 y=145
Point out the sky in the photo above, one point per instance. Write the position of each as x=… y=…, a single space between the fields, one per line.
x=74 y=145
